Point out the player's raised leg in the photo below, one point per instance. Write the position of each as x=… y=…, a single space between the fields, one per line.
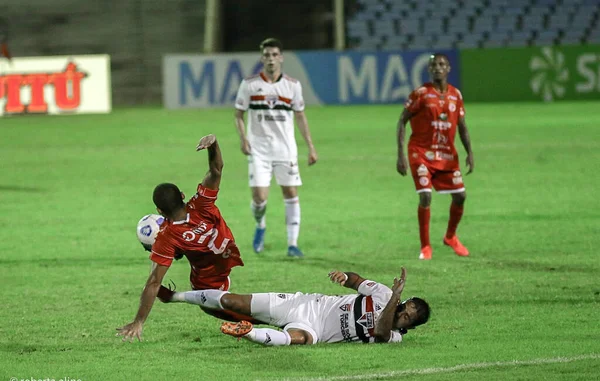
x=424 y=215
x=292 y=220
x=456 y=213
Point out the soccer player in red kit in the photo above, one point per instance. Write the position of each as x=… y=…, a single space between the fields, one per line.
x=435 y=110
x=195 y=230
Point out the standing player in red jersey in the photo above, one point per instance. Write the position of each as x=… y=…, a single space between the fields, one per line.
x=435 y=110
x=195 y=230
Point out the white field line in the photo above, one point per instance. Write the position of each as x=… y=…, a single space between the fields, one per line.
x=456 y=368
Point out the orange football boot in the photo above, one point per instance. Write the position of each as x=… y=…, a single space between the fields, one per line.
x=458 y=247
x=426 y=253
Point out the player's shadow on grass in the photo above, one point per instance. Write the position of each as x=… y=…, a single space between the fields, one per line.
x=17 y=188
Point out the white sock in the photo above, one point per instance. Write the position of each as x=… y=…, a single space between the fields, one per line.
x=259 y=212
x=269 y=336
x=205 y=298
x=292 y=220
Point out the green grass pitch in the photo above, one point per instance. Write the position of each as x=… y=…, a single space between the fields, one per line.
x=525 y=305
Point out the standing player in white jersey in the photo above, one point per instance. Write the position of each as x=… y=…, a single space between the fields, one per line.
x=273 y=100
x=374 y=315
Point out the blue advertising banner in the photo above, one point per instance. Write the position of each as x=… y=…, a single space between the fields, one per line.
x=196 y=81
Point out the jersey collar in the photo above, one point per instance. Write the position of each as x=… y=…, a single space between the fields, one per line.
x=187 y=219
x=264 y=77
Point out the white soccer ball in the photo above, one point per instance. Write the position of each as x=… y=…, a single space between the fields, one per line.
x=147 y=229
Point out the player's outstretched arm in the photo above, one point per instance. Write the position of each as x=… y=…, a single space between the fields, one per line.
x=402 y=164
x=133 y=330
x=463 y=132
x=302 y=123
x=212 y=180
x=385 y=323
x=346 y=279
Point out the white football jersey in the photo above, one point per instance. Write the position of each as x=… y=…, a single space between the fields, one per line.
x=329 y=319
x=353 y=317
x=270 y=123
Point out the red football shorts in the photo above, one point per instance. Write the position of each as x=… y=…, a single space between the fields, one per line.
x=214 y=283
x=443 y=181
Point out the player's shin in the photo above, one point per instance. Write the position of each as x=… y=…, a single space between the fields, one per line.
x=205 y=298
x=259 y=212
x=269 y=337
x=292 y=219
x=456 y=212
x=424 y=217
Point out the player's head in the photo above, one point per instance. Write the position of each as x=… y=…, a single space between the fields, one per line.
x=411 y=313
x=271 y=55
x=439 y=67
x=168 y=199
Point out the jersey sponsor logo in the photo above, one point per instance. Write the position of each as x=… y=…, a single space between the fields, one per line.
x=371 y=284
x=422 y=169
x=275 y=118
x=441 y=124
x=430 y=95
x=367 y=320
x=345 y=326
x=452 y=97
x=346 y=307
x=378 y=307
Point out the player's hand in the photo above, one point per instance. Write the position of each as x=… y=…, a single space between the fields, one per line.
x=402 y=165
x=245 y=145
x=338 y=277
x=131 y=331
x=312 y=156
x=206 y=142
x=470 y=163
x=398 y=286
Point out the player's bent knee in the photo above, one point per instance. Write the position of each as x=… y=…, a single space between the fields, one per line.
x=300 y=337
x=236 y=303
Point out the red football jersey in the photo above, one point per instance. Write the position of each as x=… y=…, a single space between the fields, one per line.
x=203 y=238
x=433 y=124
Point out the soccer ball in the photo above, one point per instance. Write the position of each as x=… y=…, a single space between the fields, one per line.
x=147 y=229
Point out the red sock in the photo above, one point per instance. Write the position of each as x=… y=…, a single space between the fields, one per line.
x=456 y=212
x=424 y=216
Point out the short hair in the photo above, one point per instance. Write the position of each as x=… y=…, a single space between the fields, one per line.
x=167 y=198
x=271 y=43
x=423 y=310
x=436 y=55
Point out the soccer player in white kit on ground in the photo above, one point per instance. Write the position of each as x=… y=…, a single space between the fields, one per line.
x=374 y=315
x=271 y=99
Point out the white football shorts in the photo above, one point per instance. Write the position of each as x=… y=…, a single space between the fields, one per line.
x=287 y=311
x=261 y=171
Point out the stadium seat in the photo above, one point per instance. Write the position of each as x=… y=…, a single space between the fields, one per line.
x=473 y=23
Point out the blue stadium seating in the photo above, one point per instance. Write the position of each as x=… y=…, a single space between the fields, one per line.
x=416 y=24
